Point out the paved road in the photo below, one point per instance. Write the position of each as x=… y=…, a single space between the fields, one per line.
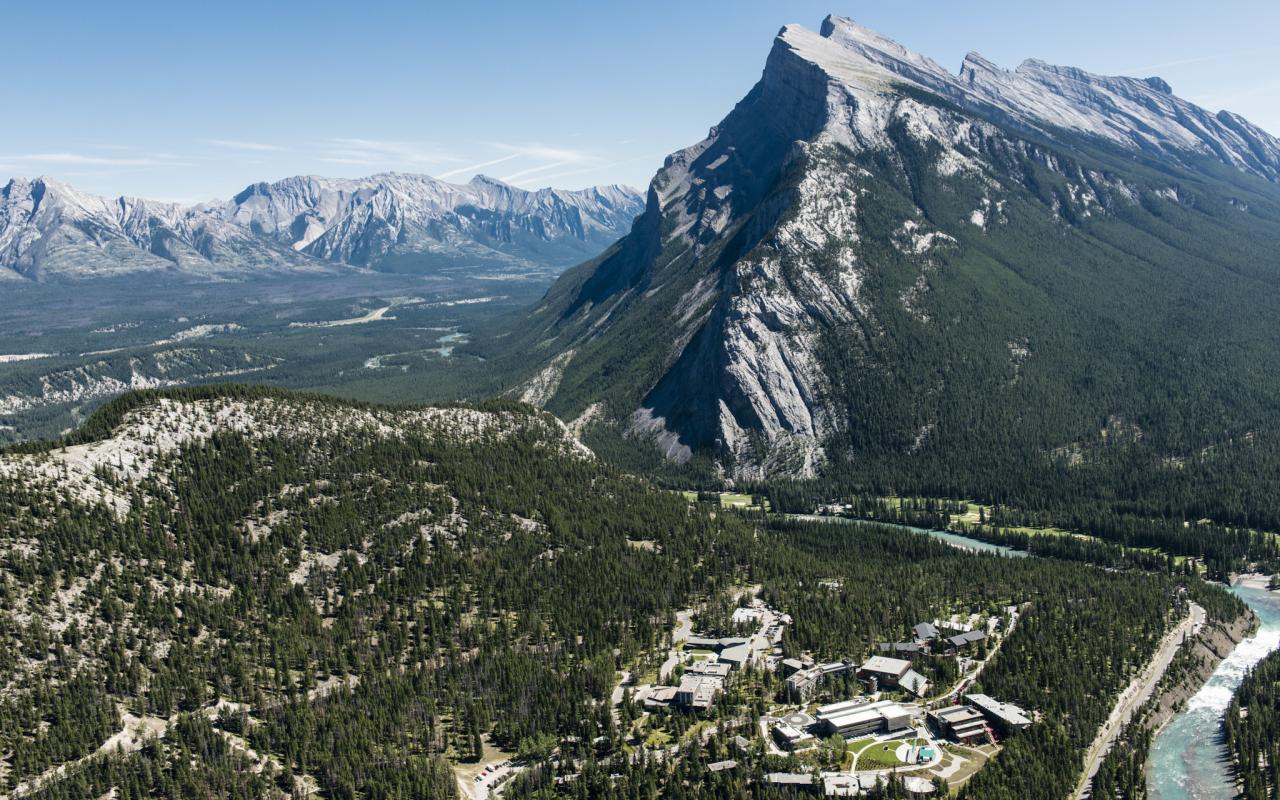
x=1134 y=696
x=683 y=630
x=619 y=693
x=967 y=680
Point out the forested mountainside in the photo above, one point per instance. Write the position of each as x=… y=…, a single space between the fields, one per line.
x=249 y=593
x=1021 y=285
x=307 y=224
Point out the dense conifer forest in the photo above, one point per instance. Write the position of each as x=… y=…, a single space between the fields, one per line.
x=301 y=595
x=1252 y=730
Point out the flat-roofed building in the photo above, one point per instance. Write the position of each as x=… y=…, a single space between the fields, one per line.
x=887 y=671
x=961 y=723
x=718 y=669
x=793 y=780
x=859 y=719
x=1006 y=717
x=791 y=666
x=698 y=691
x=841 y=784
x=801 y=685
x=843 y=705
x=787 y=735
x=688 y=685
x=737 y=655
x=661 y=696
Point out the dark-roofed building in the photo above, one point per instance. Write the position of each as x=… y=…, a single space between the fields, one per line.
x=962 y=641
x=926 y=632
x=701 y=643
x=716 y=645
x=661 y=696
x=899 y=649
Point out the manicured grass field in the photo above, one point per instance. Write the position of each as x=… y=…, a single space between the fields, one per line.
x=734 y=500
x=879 y=755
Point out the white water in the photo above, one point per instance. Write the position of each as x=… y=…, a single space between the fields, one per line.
x=1188 y=760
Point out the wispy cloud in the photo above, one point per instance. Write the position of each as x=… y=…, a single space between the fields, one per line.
x=481 y=165
x=380 y=152
x=553 y=158
x=545 y=153
x=235 y=144
x=656 y=158
x=1184 y=62
x=524 y=173
x=82 y=159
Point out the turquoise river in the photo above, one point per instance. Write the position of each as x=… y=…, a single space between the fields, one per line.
x=1188 y=758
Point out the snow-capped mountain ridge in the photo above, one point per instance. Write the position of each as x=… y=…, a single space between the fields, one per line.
x=358 y=220
x=45 y=223
x=51 y=229
x=1138 y=113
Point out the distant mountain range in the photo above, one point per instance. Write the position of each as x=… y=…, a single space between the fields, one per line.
x=392 y=221
x=876 y=266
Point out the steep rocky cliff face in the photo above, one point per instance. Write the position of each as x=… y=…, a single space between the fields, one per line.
x=870 y=251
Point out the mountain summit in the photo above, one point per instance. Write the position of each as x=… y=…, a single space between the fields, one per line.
x=390 y=221
x=874 y=264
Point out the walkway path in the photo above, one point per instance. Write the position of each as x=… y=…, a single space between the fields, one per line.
x=1137 y=693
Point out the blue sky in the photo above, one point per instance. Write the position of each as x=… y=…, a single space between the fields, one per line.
x=190 y=101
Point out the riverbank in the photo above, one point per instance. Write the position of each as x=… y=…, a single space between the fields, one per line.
x=1199 y=656
x=1188 y=759
x=1199 y=647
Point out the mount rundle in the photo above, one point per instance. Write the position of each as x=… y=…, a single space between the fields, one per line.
x=832 y=277
x=49 y=230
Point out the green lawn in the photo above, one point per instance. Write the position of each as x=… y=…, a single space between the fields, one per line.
x=879 y=756
x=732 y=500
